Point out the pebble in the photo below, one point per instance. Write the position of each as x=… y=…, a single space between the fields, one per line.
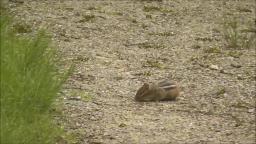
x=214 y=67
x=240 y=77
x=252 y=110
x=223 y=71
x=75 y=98
x=235 y=65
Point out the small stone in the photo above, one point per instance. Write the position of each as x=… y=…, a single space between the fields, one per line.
x=78 y=98
x=236 y=65
x=240 y=77
x=214 y=67
x=252 y=110
x=225 y=95
x=122 y=125
x=93 y=118
x=223 y=71
x=196 y=46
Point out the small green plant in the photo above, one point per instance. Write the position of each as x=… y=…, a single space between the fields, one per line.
x=241 y=9
x=235 y=54
x=212 y=50
x=154 y=64
x=87 y=18
x=22 y=27
x=81 y=58
x=234 y=37
x=156 y=8
x=203 y=39
x=30 y=81
x=221 y=91
x=134 y=21
x=144 y=26
x=196 y=46
x=151 y=8
x=164 y=34
x=147 y=73
x=117 y=13
x=92 y=8
x=149 y=16
x=167 y=11
x=147 y=45
x=74 y=136
x=69 y=8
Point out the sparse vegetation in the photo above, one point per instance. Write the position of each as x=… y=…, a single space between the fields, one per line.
x=203 y=39
x=134 y=21
x=30 y=82
x=22 y=27
x=144 y=26
x=72 y=137
x=147 y=73
x=234 y=36
x=87 y=18
x=156 y=8
x=92 y=8
x=147 y=45
x=241 y=9
x=81 y=58
x=235 y=54
x=196 y=46
x=164 y=34
x=149 y=16
x=212 y=50
x=221 y=91
x=151 y=8
x=154 y=64
x=117 y=13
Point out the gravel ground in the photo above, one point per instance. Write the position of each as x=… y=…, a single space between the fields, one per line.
x=117 y=45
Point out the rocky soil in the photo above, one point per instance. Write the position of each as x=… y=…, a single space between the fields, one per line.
x=117 y=45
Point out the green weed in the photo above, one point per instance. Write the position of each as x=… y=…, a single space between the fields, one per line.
x=92 y=8
x=88 y=18
x=147 y=45
x=156 y=8
x=154 y=64
x=235 y=37
x=235 y=54
x=22 y=27
x=151 y=8
x=81 y=94
x=213 y=50
x=30 y=81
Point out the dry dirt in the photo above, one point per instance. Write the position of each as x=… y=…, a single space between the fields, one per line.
x=117 y=45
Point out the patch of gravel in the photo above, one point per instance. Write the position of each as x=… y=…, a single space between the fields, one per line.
x=118 y=45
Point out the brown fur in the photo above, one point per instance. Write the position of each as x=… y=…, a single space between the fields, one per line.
x=162 y=91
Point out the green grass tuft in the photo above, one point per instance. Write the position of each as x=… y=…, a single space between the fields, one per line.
x=235 y=37
x=151 y=8
x=30 y=82
x=88 y=18
x=213 y=50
